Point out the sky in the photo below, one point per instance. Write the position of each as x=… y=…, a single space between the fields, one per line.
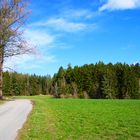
x=79 y=32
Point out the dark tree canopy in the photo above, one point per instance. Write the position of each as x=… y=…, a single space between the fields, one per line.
x=118 y=81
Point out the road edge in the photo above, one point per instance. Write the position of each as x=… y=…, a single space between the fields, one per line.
x=19 y=131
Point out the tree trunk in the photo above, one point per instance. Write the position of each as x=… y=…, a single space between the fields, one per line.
x=1 y=72
x=1 y=79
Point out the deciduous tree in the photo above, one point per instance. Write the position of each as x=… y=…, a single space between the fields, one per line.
x=13 y=14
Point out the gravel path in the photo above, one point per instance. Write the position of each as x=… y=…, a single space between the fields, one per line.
x=13 y=115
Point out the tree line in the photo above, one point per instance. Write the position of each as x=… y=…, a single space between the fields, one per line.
x=15 y=84
x=118 y=81
x=107 y=81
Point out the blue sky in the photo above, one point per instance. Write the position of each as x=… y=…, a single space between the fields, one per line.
x=79 y=32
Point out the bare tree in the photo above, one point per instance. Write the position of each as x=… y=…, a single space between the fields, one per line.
x=13 y=14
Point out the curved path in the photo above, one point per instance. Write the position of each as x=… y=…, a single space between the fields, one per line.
x=13 y=115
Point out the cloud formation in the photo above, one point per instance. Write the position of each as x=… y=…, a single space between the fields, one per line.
x=38 y=37
x=41 y=41
x=77 y=14
x=29 y=62
x=61 y=24
x=120 y=5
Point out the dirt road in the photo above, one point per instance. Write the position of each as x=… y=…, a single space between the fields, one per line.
x=13 y=114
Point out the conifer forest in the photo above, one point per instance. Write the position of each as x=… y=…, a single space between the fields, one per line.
x=95 y=81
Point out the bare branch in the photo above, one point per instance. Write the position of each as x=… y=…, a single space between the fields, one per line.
x=13 y=14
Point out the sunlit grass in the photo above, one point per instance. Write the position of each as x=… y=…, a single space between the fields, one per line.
x=2 y=101
x=82 y=119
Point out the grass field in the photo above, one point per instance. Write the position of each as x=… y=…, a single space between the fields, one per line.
x=78 y=119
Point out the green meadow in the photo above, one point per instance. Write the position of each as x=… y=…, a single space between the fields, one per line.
x=82 y=119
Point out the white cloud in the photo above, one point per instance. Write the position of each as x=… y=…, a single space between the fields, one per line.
x=38 y=37
x=120 y=5
x=41 y=40
x=61 y=24
x=28 y=62
x=78 y=14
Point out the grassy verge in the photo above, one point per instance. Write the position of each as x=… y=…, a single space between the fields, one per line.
x=72 y=119
x=1 y=102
